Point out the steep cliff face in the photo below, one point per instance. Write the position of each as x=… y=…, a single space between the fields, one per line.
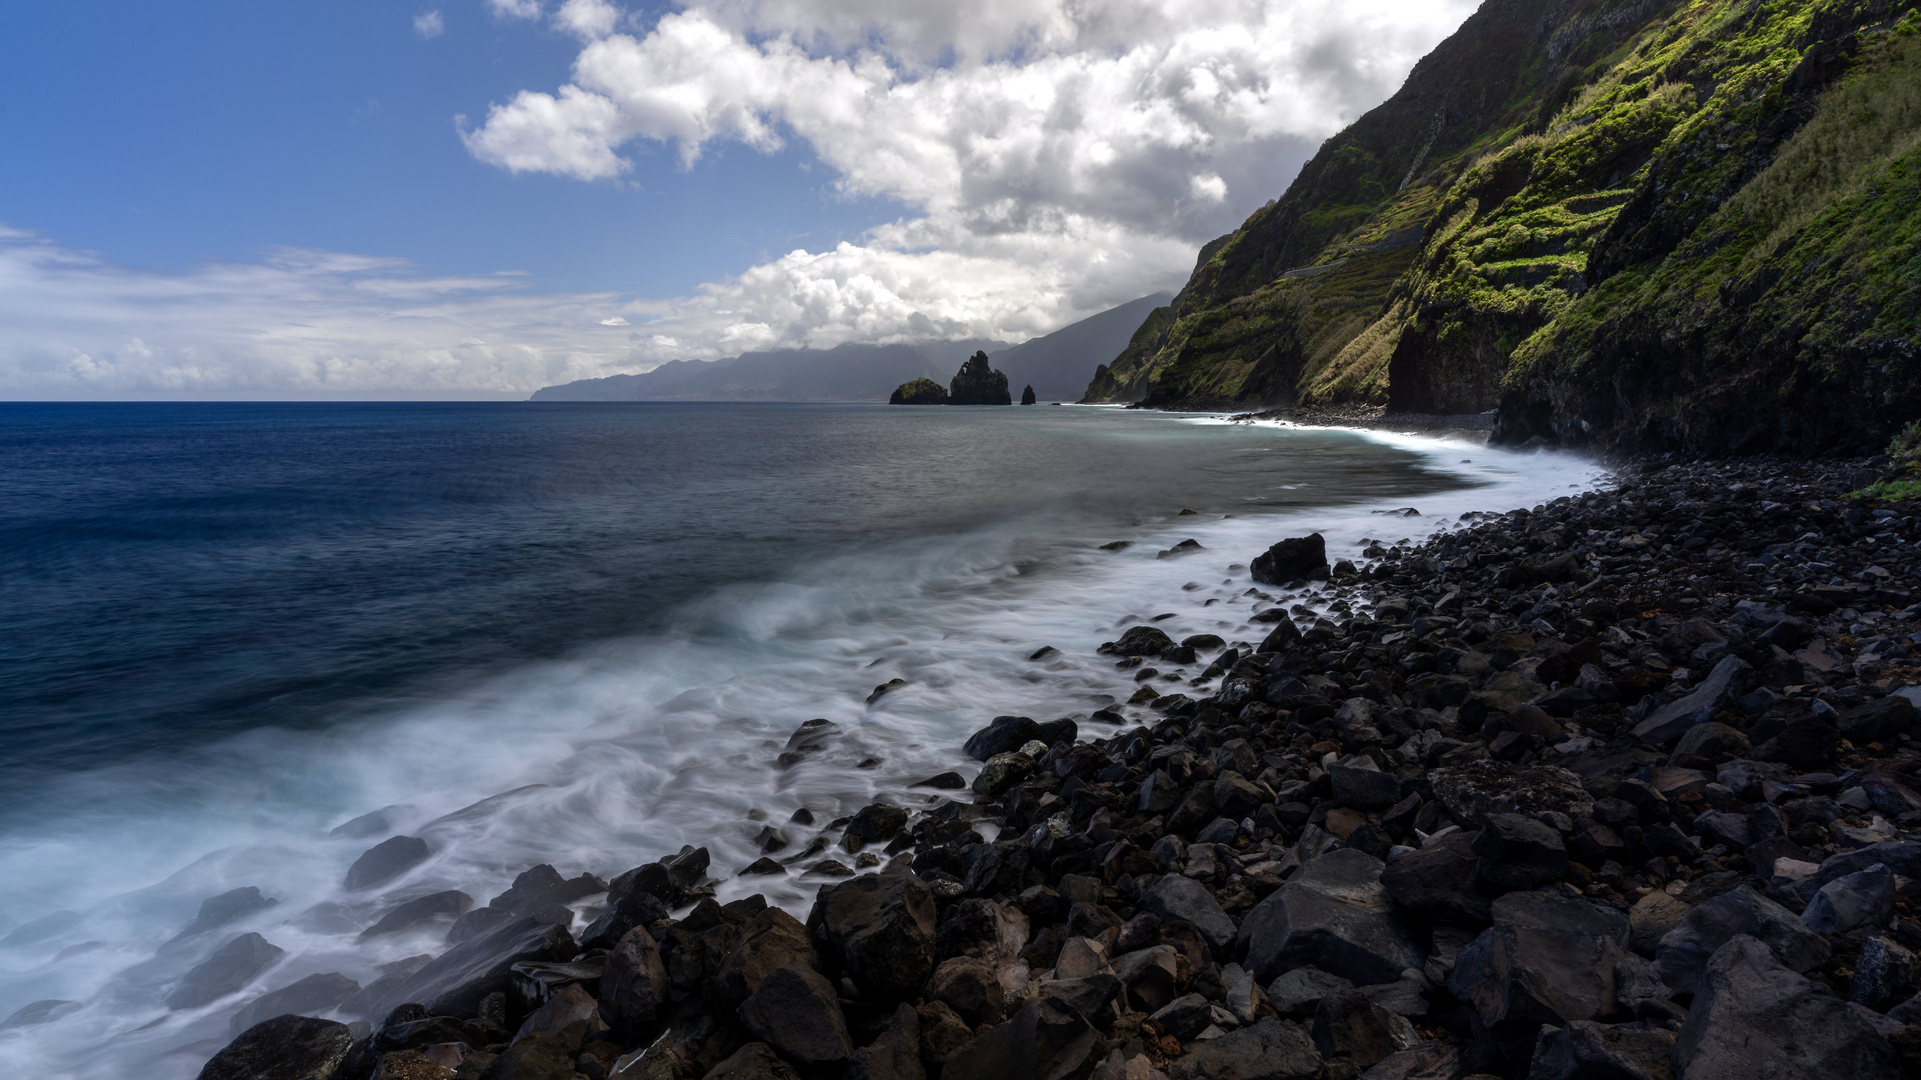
x=977 y=383
x=1629 y=223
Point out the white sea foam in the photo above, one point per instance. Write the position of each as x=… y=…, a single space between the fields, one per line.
x=627 y=751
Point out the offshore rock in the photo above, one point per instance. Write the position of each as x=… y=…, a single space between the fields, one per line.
x=232 y=966
x=919 y=392
x=386 y=861
x=977 y=383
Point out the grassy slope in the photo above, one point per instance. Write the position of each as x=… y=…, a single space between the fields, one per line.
x=1640 y=223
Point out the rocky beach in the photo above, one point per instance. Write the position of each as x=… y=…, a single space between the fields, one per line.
x=1622 y=784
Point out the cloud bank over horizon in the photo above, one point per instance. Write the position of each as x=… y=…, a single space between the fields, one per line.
x=1055 y=159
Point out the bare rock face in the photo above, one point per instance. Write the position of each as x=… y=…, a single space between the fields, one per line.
x=977 y=383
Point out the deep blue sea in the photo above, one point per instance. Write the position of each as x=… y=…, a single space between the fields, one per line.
x=227 y=628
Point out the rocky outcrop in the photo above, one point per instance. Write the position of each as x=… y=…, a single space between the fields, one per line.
x=1027 y=396
x=977 y=383
x=919 y=392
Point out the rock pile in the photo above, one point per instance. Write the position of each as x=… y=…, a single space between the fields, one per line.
x=1619 y=786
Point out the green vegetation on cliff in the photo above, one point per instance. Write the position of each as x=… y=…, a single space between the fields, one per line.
x=1658 y=225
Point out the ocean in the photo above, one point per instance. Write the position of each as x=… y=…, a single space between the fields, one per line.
x=577 y=634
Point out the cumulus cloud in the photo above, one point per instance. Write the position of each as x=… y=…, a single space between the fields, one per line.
x=429 y=25
x=1058 y=156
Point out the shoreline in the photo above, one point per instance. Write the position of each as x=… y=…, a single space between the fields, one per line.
x=1097 y=886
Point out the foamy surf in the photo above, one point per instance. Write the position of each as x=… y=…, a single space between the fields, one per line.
x=627 y=750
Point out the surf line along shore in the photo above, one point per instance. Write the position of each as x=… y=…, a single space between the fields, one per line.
x=1627 y=777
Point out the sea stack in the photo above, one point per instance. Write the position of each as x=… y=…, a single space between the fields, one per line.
x=978 y=383
x=1027 y=395
x=919 y=392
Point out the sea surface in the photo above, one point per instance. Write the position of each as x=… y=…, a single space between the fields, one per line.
x=226 y=629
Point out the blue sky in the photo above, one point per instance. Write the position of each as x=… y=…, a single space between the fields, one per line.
x=164 y=137
x=460 y=198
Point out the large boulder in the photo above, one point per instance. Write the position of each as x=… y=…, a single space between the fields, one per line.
x=1439 y=880
x=283 y=1048
x=1002 y=735
x=218 y=911
x=386 y=861
x=774 y=938
x=634 y=986
x=1755 y=1019
x=1518 y=852
x=1671 y=721
x=450 y=902
x=1335 y=915
x=313 y=994
x=1685 y=950
x=232 y=966
x=977 y=383
x=1585 y=1050
x=1267 y=1049
x=1044 y=1041
x=1293 y=559
x=1182 y=898
x=1549 y=958
x=796 y=1012
x=893 y=1056
x=454 y=983
x=1863 y=898
x=881 y=927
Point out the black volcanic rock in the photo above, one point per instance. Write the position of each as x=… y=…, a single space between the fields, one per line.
x=919 y=392
x=1027 y=395
x=1292 y=559
x=977 y=383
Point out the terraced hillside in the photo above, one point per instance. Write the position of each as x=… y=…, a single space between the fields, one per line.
x=1633 y=224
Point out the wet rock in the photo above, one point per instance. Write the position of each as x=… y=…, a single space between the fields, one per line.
x=1045 y=1040
x=454 y=983
x=895 y=1055
x=982 y=929
x=1182 y=898
x=947 y=781
x=1518 y=852
x=1293 y=559
x=218 y=911
x=796 y=1012
x=755 y=1061
x=283 y=1048
x=1007 y=733
x=1138 y=641
x=232 y=966
x=546 y=1055
x=307 y=997
x=1003 y=771
x=1753 y=1016
x=451 y=903
x=1335 y=915
x=1268 y=1049
x=881 y=927
x=941 y=1033
x=572 y=1004
x=1585 y=1050
x=634 y=909
x=875 y=824
x=1863 y=898
x=1686 y=949
x=1439 y=880
x=386 y=861
x=35 y=1013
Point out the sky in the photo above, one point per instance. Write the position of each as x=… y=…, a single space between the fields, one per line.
x=476 y=198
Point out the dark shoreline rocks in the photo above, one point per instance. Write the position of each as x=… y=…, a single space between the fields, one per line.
x=1625 y=784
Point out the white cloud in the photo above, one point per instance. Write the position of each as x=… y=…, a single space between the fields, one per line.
x=1058 y=157
x=515 y=9
x=589 y=19
x=429 y=25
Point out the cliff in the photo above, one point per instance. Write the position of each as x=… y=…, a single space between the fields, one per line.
x=1626 y=223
